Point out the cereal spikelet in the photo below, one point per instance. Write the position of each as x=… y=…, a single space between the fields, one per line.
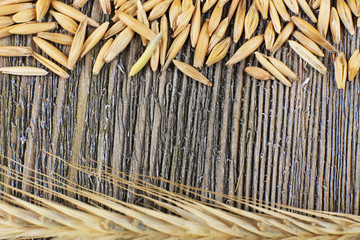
x=251 y=21
x=269 y=36
x=281 y=9
x=141 y=16
x=202 y=46
x=324 y=17
x=164 y=27
x=51 y=50
x=14 y=8
x=77 y=44
x=191 y=72
x=60 y=38
x=195 y=24
x=263 y=7
x=354 y=65
x=308 y=43
x=219 y=51
x=6 y=21
x=335 y=26
x=32 y=28
x=174 y=12
x=159 y=9
x=239 y=20
x=24 y=15
x=42 y=7
x=292 y=5
x=50 y=65
x=345 y=15
x=115 y=29
x=275 y=17
x=65 y=22
x=283 y=37
x=23 y=71
x=259 y=73
x=215 y=17
x=119 y=44
x=14 y=51
x=340 y=67
x=100 y=61
x=218 y=34
x=94 y=38
x=283 y=68
x=306 y=8
x=182 y=20
x=154 y=59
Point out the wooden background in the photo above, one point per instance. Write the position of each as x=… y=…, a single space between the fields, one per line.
x=298 y=146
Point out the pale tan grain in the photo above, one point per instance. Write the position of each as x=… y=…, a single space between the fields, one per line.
x=148 y=5
x=324 y=17
x=219 y=51
x=6 y=21
x=14 y=51
x=233 y=6
x=119 y=44
x=354 y=65
x=94 y=38
x=283 y=68
x=269 y=36
x=79 y=3
x=218 y=34
x=208 y=4
x=100 y=59
x=246 y=49
x=77 y=44
x=42 y=7
x=182 y=20
x=263 y=7
x=185 y=4
x=8 y=2
x=259 y=73
x=292 y=5
x=340 y=68
x=24 y=15
x=174 y=11
x=154 y=59
x=202 y=46
x=5 y=32
x=315 y=4
x=14 y=8
x=32 y=28
x=115 y=29
x=159 y=9
x=283 y=36
x=128 y=7
x=345 y=15
x=281 y=9
x=308 y=57
x=251 y=21
x=65 y=22
x=275 y=17
x=59 y=38
x=354 y=7
x=164 y=27
x=191 y=72
x=52 y=51
x=195 y=24
x=50 y=65
x=142 y=17
x=306 y=8
x=308 y=44
x=239 y=20
x=23 y=71
x=335 y=26
x=105 y=6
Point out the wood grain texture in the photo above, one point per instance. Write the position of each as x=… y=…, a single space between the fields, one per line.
x=255 y=139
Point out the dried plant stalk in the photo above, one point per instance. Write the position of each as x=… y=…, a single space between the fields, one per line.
x=195 y=24
x=219 y=51
x=202 y=46
x=14 y=8
x=340 y=65
x=77 y=44
x=275 y=17
x=42 y=7
x=263 y=7
x=154 y=59
x=119 y=44
x=281 y=9
x=65 y=22
x=308 y=43
x=141 y=62
x=59 y=38
x=100 y=59
x=32 y=28
x=191 y=72
x=312 y=33
x=335 y=26
x=159 y=9
x=274 y=71
x=218 y=34
x=164 y=27
x=324 y=17
x=308 y=56
x=239 y=20
x=52 y=51
x=269 y=36
x=6 y=21
x=283 y=68
x=94 y=38
x=306 y=8
x=23 y=71
x=24 y=15
x=50 y=65
x=345 y=15
x=176 y=46
x=251 y=21
x=283 y=37
x=354 y=64
x=246 y=49
x=14 y=51
x=259 y=73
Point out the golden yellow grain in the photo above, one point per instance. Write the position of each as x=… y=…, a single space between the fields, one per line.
x=128 y=7
x=60 y=38
x=119 y=44
x=32 y=28
x=94 y=38
x=51 y=50
x=216 y=16
x=315 y=4
x=185 y=4
x=259 y=73
x=115 y=29
x=6 y=21
x=14 y=8
x=195 y=24
x=218 y=34
x=219 y=51
x=269 y=36
x=340 y=67
x=273 y=70
x=263 y=7
x=233 y=6
x=7 y=2
x=191 y=72
x=324 y=17
x=176 y=46
x=306 y=8
x=308 y=57
x=105 y=6
x=141 y=16
x=50 y=65
x=65 y=22
x=182 y=20
x=312 y=33
x=354 y=6
x=292 y=5
x=79 y=3
x=335 y=26
x=308 y=44
x=283 y=68
x=14 y=51
x=174 y=11
x=5 y=32
x=159 y=9
x=275 y=17
x=77 y=44
x=72 y=12
x=148 y=5
x=141 y=62
x=251 y=21
x=345 y=15
x=136 y=26
x=239 y=20
x=358 y=22
x=23 y=71
x=100 y=61
x=246 y=49
x=154 y=59
x=202 y=46
x=281 y=9
x=42 y=7
x=119 y=3
x=208 y=4
x=354 y=64
x=283 y=37
x=164 y=27
x=24 y=15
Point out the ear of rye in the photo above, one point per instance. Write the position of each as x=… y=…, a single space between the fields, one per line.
x=77 y=44
x=191 y=72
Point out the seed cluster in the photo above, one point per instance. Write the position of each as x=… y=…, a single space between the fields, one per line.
x=171 y=22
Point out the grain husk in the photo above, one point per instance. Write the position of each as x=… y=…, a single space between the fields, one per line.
x=154 y=59
x=269 y=36
x=340 y=68
x=306 y=8
x=215 y=17
x=100 y=59
x=42 y=7
x=233 y=6
x=308 y=57
x=159 y=9
x=164 y=27
x=23 y=71
x=15 y=51
x=185 y=4
x=94 y=38
x=202 y=46
x=324 y=17
x=6 y=21
x=24 y=15
x=79 y=3
x=263 y=7
x=65 y=22
x=292 y=5
x=8 y=2
x=50 y=65
x=354 y=6
x=308 y=43
x=354 y=65
x=52 y=51
x=335 y=26
x=281 y=9
x=119 y=44
x=59 y=38
x=77 y=44
x=14 y=8
x=275 y=17
x=148 y=5
x=105 y=6
x=345 y=15
x=208 y=4
x=283 y=68
x=218 y=34
x=246 y=49
x=251 y=21
x=182 y=20
x=259 y=73
x=115 y=29
x=33 y=28
x=283 y=37
x=219 y=51
x=174 y=11
x=239 y=21
x=191 y=72
x=142 y=17
x=195 y=24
